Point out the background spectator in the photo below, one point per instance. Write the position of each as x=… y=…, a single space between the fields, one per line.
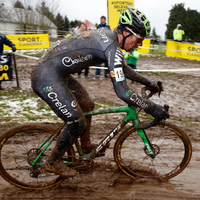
x=6 y=41
x=82 y=27
x=102 y=24
x=189 y=40
x=178 y=33
x=131 y=58
x=197 y=42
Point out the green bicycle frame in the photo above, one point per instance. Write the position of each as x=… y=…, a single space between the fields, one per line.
x=131 y=116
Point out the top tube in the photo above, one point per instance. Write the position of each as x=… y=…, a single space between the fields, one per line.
x=129 y=110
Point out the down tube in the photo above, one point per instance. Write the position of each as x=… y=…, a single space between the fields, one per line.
x=110 y=136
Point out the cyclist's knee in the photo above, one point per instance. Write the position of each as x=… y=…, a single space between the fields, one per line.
x=87 y=105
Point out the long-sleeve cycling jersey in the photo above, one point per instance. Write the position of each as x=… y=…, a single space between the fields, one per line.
x=53 y=82
x=78 y=52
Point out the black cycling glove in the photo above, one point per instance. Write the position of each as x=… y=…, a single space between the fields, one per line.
x=155 y=87
x=158 y=112
x=14 y=48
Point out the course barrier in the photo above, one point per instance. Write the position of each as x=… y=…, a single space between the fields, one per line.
x=183 y=50
x=139 y=70
x=29 y=41
x=95 y=67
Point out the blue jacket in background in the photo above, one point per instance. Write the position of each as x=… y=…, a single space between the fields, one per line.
x=103 y=25
x=4 y=40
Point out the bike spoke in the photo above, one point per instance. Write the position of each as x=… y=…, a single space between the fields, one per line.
x=168 y=147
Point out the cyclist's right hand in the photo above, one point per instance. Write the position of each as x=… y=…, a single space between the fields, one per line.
x=158 y=112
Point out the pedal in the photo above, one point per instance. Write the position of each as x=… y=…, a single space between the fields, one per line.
x=35 y=173
x=83 y=163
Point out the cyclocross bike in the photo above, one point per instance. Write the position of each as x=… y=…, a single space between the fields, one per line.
x=145 y=149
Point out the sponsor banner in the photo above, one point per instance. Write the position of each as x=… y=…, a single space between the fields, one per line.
x=29 y=41
x=6 y=67
x=114 y=9
x=183 y=50
x=145 y=48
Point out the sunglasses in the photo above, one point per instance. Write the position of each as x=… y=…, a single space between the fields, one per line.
x=139 y=39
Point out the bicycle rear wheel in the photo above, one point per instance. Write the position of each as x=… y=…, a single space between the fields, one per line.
x=18 y=149
x=171 y=146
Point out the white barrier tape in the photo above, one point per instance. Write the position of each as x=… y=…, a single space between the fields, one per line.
x=36 y=58
x=181 y=51
x=138 y=70
x=156 y=70
x=168 y=70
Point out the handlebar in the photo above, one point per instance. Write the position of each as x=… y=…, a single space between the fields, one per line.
x=146 y=126
x=144 y=95
x=166 y=108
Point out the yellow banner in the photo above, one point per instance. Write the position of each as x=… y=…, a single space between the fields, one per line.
x=29 y=41
x=114 y=9
x=145 y=48
x=183 y=50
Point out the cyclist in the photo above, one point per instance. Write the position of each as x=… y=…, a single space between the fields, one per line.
x=52 y=79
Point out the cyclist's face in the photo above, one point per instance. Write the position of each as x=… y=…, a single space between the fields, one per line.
x=132 y=43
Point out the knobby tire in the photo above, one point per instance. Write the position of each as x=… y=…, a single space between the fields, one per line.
x=171 y=146
x=18 y=150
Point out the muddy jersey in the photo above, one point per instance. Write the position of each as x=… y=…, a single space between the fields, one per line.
x=87 y=49
x=53 y=82
x=78 y=52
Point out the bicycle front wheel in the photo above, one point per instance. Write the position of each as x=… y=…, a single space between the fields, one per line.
x=171 y=146
x=19 y=148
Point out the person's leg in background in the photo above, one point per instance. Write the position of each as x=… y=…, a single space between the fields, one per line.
x=86 y=71
x=132 y=66
x=106 y=70
x=79 y=73
x=98 y=71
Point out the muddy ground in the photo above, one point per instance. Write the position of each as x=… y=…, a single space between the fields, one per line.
x=106 y=182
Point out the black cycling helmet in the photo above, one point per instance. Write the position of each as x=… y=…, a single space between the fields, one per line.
x=135 y=20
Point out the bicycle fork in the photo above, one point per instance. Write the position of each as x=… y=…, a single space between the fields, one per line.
x=145 y=139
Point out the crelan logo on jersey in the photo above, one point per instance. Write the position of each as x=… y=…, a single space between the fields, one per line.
x=118 y=57
x=48 y=88
x=68 y=62
x=56 y=101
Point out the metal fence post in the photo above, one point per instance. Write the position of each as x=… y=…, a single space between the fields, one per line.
x=15 y=66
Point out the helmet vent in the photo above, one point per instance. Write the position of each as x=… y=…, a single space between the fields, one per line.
x=127 y=16
x=148 y=24
x=138 y=12
x=123 y=21
x=143 y=18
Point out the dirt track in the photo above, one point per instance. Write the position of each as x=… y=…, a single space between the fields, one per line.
x=181 y=92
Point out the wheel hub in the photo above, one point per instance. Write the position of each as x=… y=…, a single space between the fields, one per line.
x=155 y=148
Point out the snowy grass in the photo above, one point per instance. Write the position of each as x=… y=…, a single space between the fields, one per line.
x=21 y=106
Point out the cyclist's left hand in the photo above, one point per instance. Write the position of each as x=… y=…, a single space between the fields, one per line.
x=155 y=87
